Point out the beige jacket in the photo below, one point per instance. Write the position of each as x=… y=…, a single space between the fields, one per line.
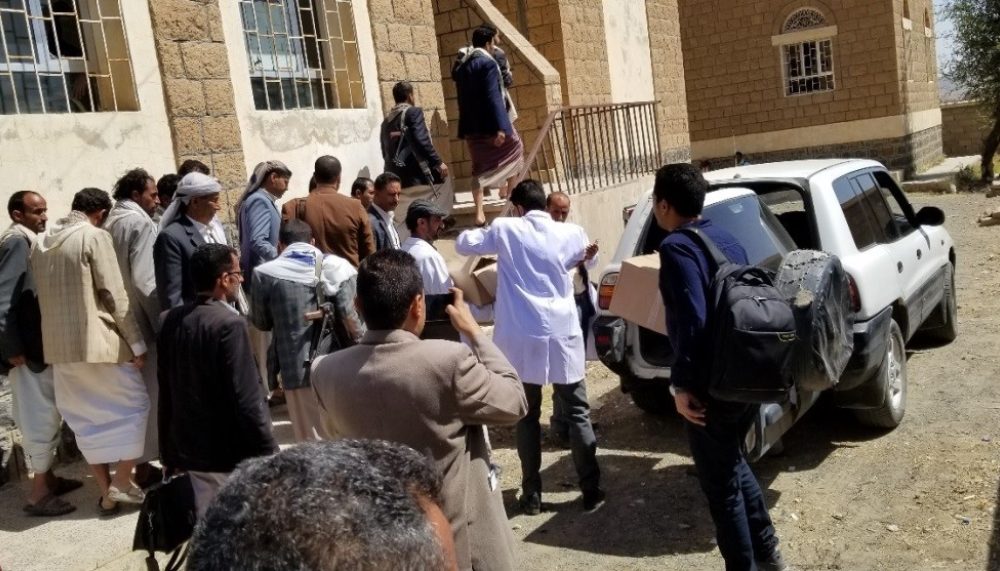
x=85 y=310
x=434 y=396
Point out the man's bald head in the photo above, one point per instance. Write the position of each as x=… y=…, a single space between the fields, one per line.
x=557 y=205
x=327 y=170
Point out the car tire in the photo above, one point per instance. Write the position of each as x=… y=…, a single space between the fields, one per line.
x=654 y=399
x=948 y=309
x=892 y=377
x=818 y=289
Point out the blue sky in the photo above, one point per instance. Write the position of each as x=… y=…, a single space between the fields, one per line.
x=944 y=30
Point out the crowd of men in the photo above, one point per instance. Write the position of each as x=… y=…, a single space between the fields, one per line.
x=156 y=335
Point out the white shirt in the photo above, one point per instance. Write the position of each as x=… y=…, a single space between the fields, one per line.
x=211 y=233
x=388 y=217
x=434 y=271
x=537 y=325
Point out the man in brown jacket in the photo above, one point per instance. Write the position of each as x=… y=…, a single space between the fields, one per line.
x=435 y=396
x=94 y=344
x=339 y=223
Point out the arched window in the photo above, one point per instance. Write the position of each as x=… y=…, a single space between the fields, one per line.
x=803 y=19
x=806 y=42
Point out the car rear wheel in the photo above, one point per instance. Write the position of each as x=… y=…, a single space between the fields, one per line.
x=892 y=377
x=653 y=399
x=948 y=310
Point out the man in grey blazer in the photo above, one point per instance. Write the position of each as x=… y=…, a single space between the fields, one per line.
x=435 y=396
x=381 y=212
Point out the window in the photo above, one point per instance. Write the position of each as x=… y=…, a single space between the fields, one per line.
x=790 y=209
x=857 y=214
x=755 y=227
x=901 y=210
x=60 y=56
x=303 y=54
x=807 y=52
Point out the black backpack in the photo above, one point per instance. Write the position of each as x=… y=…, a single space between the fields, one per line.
x=750 y=333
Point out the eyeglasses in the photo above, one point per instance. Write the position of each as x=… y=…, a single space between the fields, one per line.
x=235 y=273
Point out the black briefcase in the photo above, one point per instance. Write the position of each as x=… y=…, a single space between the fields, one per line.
x=166 y=521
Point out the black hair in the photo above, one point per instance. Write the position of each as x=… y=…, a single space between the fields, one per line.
x=134 y=180
x=208 y=263
x=683 y=187
x=383 y=180
x=167 y=185
x=360 y=185
x=388 y=282
x=529 y=195
x=327 y=170
x=483 y=35
x=293 y=231
x=402 y=91
x=16 y=201
x=91 y=200
x=339 y=505
x=192 y=165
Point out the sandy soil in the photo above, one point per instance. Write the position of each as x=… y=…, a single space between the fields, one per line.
x=843 y=497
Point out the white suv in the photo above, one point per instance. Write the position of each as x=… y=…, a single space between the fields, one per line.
x=901 y=266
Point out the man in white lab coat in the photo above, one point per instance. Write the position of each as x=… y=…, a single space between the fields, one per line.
x=538 y=330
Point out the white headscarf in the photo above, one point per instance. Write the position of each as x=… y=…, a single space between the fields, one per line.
x=191 y=186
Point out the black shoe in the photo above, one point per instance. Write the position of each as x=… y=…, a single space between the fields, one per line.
x=593 y=499
x=531 y=504
x=776 y=562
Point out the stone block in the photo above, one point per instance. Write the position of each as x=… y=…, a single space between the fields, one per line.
x=184 y=97
x=400 y=37
x=219 y=98
x=424 y=40
x=179 y=20
x=171 y=62
x=205 y=60
x=230 y=169
x=937 y=186
x=391 y=66
x=214 y=16
x=222 y=133
x=418 y=67
x=412 y=12
x=187 y=135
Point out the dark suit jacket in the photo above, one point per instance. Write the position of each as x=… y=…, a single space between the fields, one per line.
x=20 y=318
x=380 y=230
x=418 y=141
x=213 y=413
x=435 y=397
x=339 y=223
x=172 y=262
x=482 y=111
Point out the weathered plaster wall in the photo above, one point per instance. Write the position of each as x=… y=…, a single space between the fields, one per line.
x=627 y=35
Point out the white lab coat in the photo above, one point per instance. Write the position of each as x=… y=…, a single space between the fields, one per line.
x=537 y=325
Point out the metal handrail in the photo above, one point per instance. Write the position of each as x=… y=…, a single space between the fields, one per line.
x=586 y=147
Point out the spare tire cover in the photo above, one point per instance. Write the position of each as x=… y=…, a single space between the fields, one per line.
x=817 y=287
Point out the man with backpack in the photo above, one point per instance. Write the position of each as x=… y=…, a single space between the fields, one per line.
x=715 y=428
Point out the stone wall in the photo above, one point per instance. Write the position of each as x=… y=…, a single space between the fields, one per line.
x=198 y=90
x=536 y=90
x=911 y=154
x=917 y=54
x=965 y=126
x=734 y=75
x=668 y=78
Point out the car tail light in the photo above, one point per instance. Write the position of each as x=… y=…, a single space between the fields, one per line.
x=855 y=294
x=607 y=290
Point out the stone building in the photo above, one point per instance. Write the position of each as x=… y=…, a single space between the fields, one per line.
x=90 y=88
x=781 y=80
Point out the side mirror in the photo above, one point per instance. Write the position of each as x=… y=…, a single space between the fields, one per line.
x=930 y=216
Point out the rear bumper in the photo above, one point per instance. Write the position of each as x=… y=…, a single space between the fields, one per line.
x=870 y=339
x=609 y=341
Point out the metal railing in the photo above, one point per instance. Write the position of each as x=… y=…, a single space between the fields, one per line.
x=587 y=147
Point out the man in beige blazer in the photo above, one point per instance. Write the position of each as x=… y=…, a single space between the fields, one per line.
x=94 y=344
x=435 y=396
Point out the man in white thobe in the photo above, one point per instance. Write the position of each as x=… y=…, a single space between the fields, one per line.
x=538 y=330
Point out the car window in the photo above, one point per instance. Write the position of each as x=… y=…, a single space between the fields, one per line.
x=790 y=209
x=754 y=227
x=856 y=213
x=897 y=203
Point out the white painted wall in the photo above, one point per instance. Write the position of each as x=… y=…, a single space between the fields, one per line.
x=600 y=213
x=61 y=153
x=297 y=138
x=627 y=34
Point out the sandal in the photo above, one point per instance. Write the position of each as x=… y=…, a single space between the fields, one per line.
x=65 y=485
x=132 y=495
x=107 y=512
x=49 y=506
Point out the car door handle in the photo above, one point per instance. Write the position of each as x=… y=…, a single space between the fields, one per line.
x=899 y=267
x=920 y=254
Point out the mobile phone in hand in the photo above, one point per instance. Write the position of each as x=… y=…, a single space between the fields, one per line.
x=436 y=305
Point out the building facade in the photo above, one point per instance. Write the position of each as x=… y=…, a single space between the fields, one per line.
x=781 y=80
x=91 y=88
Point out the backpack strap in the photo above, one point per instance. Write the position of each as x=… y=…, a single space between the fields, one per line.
x=707 y=244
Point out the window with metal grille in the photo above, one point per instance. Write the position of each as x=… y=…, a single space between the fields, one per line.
x=64 y=56
x=808 y=67
x=303 y=54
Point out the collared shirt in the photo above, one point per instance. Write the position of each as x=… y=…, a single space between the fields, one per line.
x=388 y=217
x=431 y=264
x=209 y=232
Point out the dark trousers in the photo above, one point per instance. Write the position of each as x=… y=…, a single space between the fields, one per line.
x=743 y=527
x=583 y=443
x=558 y=423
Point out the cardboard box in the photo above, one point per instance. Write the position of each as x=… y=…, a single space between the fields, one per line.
x=637 y=294
x=476 y=276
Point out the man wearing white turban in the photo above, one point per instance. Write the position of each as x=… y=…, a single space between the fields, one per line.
x=188 y=222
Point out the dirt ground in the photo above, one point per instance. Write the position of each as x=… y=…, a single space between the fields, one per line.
x=842 y=497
